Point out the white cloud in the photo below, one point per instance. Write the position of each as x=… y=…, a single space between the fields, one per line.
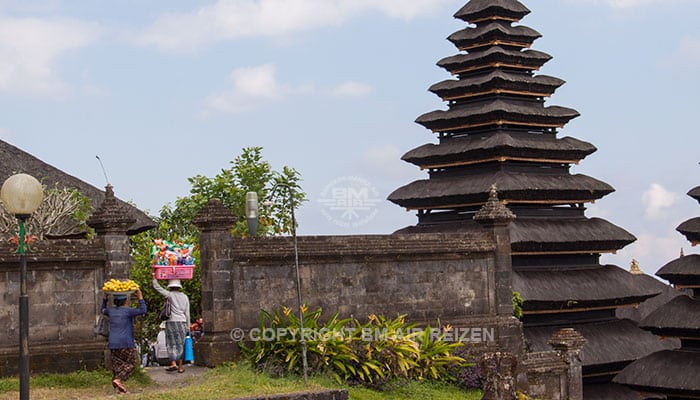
x=30 y=48
x=656 y=200
x=351 y=89
x=686 y=56
x=651 y=250
x=251 y=86
x=233 y=19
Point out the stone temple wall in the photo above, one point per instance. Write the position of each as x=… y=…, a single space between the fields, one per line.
x=453 y=279
x=64 y=278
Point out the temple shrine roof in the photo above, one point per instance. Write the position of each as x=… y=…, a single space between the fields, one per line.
x=500 y=146
x=495 y=33
x=495 y=57
x=497 y=82
x=480 y=10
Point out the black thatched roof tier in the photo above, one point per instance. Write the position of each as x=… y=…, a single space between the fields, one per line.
x=608 y=343
x=535 y=236
x=498 y=33
x=680 y=317
x=570 y=289
x=640 y=312
x=502 y=146
x=495 y=57
x=522 y=187
x=13 y=160
x=496 y=82
x=478 y=10
x=497 y=112
x=682 y=271
x=567 y=235
x=610 y=391
x=695 y=193
x=691 y=230
x=671 y=372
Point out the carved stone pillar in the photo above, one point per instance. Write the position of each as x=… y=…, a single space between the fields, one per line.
x=568 y=344
x=111 y=221
x=215 y=246
x=498 y=374
x=497 y=217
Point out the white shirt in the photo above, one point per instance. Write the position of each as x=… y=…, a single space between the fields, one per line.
x=179 y=303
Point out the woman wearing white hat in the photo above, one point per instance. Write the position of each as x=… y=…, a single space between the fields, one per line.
x=178 y=325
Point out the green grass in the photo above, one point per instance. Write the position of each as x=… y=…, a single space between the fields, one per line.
x=225 y=382
x=416 y=390
x=75 y=380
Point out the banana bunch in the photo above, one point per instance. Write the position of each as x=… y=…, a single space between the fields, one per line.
x=115 y=285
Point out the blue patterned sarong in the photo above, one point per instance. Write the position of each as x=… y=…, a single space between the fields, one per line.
x=175 y=333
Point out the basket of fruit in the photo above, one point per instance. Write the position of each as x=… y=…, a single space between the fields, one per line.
x=116 y=286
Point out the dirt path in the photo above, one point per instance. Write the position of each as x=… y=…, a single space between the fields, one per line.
x=174 y=379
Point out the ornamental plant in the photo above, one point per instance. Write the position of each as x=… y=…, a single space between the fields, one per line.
x=374 y=353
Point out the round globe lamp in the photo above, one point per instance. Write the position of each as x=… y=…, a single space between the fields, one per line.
x=21 y=195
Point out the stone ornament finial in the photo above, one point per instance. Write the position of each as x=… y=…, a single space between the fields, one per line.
x=494 y=209
x=214 y=216
x=567 y=340
x=110 y=216
x=634 y=268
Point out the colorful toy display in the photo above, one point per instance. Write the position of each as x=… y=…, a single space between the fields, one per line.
x=165 y=252
x=172 y=260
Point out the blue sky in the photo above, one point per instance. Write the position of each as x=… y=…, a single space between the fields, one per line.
x=163 y=91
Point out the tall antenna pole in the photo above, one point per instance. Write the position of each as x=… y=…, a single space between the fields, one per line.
x=103 y=169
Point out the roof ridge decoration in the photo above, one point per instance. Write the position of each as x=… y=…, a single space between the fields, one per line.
x=494 y=210
x=634 y=268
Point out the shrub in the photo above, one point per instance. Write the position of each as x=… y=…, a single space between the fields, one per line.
x=374 y=353
x=467 y=375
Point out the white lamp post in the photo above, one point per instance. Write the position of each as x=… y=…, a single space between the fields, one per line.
x=21 y=195
x=253 y=205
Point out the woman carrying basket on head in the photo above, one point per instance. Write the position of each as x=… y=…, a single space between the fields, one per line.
x=121 y=336
x=178 y=325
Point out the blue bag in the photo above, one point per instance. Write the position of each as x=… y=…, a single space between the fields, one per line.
x=189 y=351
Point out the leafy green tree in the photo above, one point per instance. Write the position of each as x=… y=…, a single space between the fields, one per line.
x=248 y=172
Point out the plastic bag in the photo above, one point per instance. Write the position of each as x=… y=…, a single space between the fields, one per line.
x=102 y=326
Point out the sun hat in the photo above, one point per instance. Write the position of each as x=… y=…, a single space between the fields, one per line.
x=119 y=296
x=174 y=283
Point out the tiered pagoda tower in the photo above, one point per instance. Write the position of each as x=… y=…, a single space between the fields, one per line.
x=497 y=130
x=674 y=373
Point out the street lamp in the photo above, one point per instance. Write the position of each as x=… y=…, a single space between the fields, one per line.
x=252 y=212
x=21 y=195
